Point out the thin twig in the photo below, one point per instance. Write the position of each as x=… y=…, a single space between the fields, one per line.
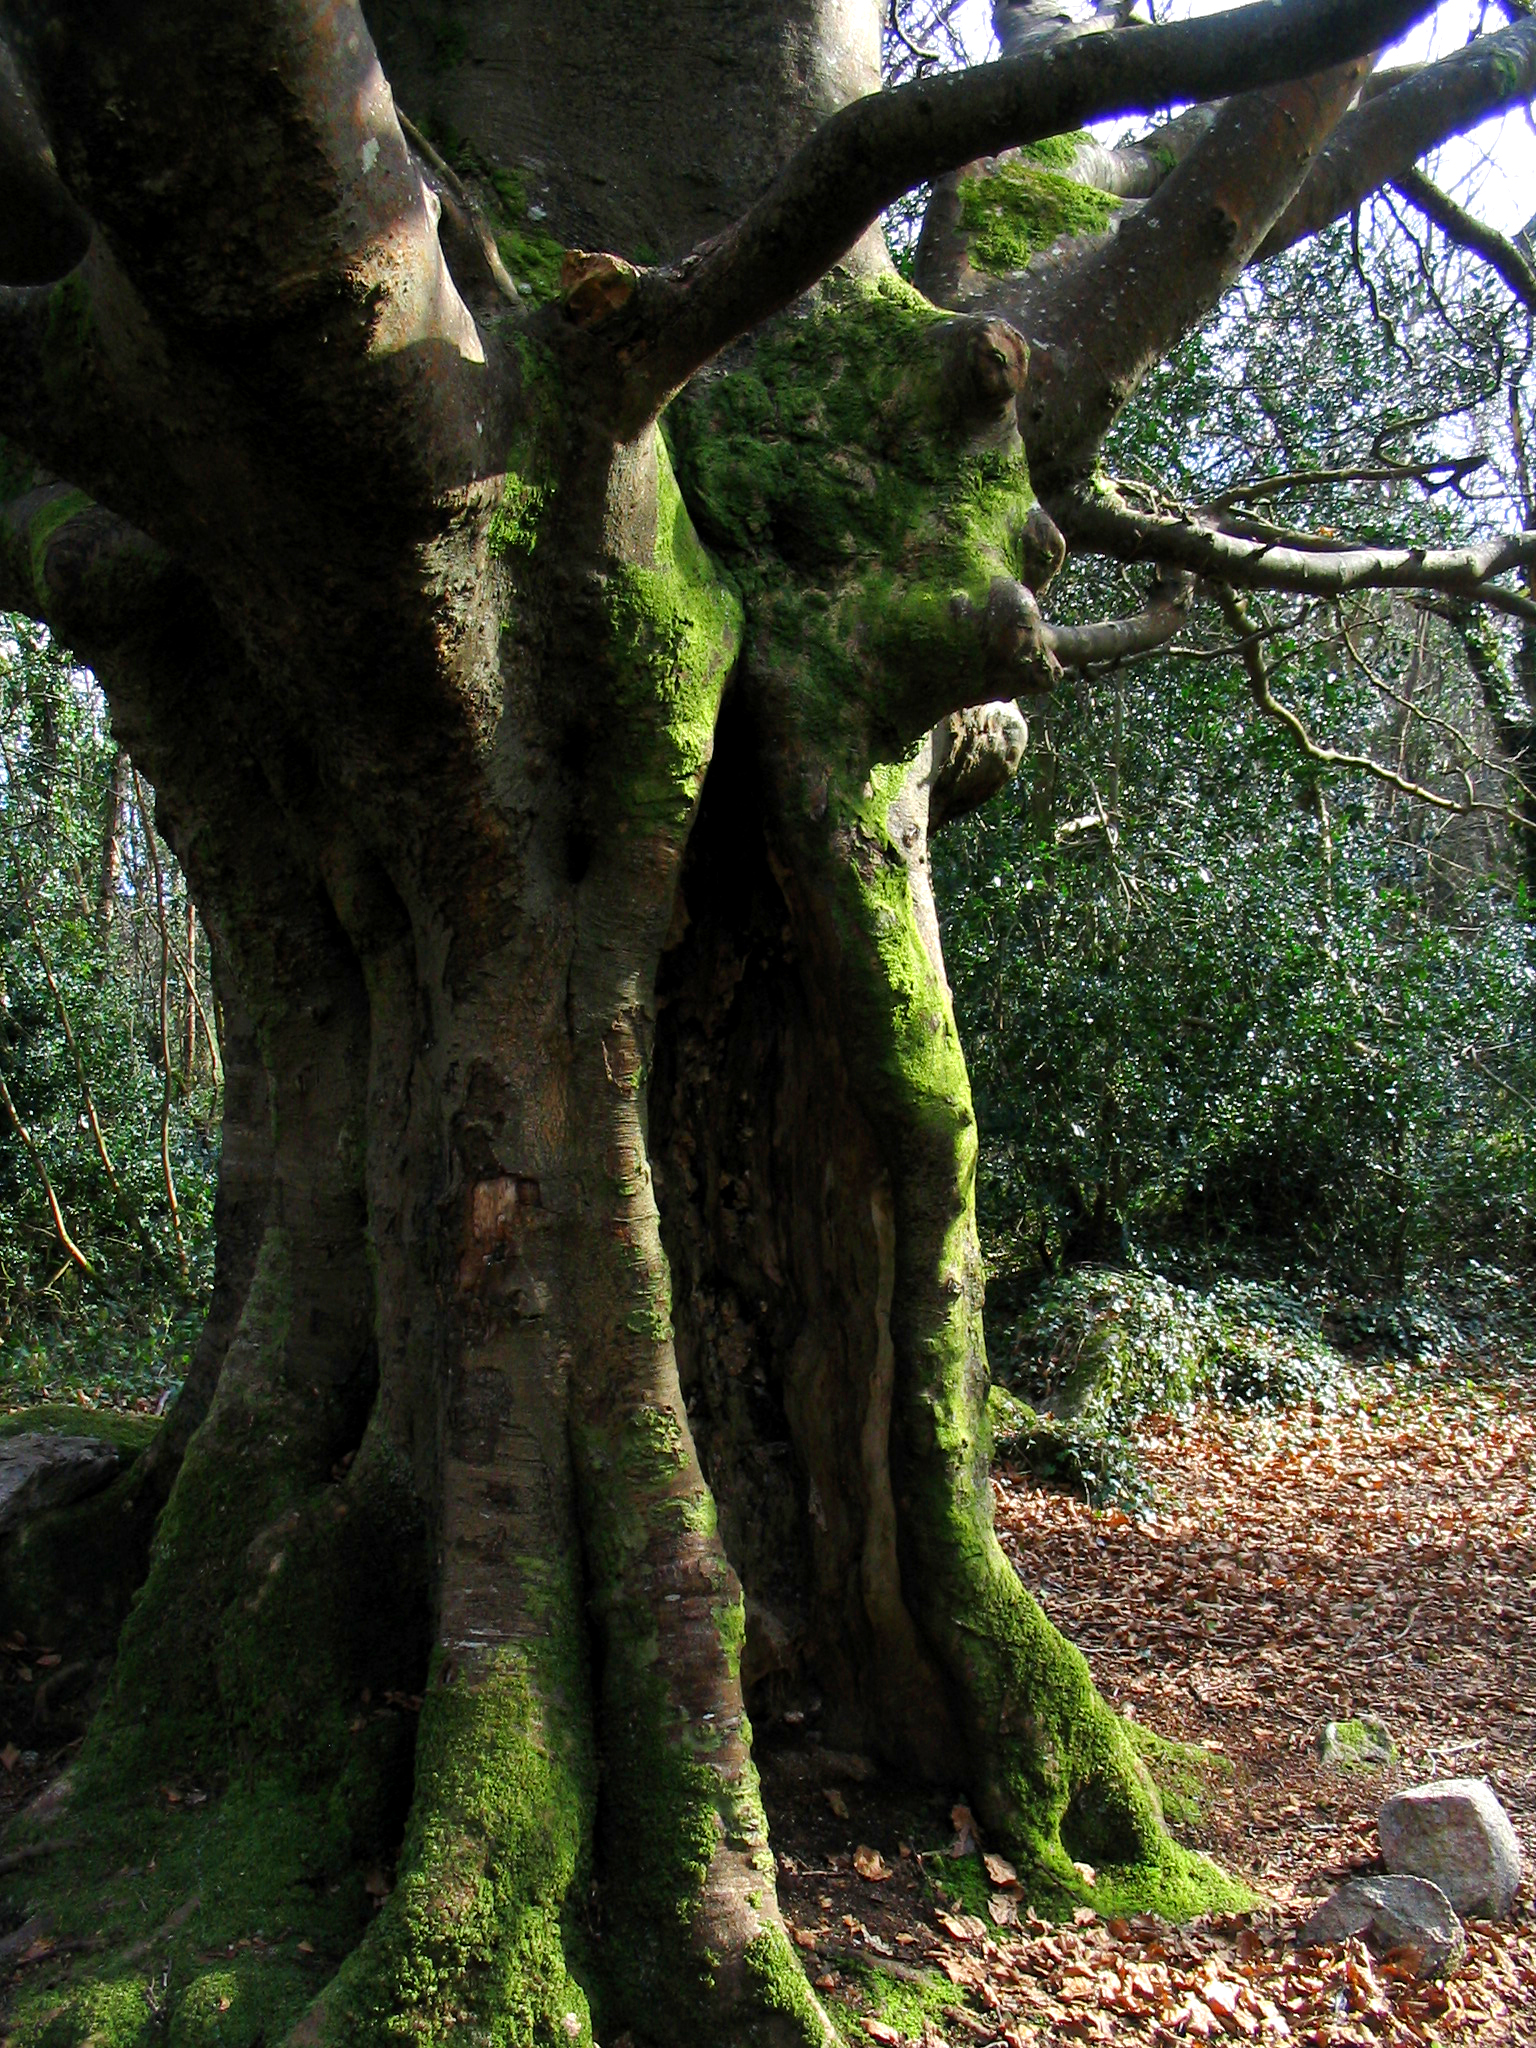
x=1442 y=725
x=38 y=947
x=1450 y=469
x=1238 y=617
x=1502 y=255
x=61 y=1228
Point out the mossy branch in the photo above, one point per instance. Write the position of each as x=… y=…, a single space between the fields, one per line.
x=881 y=146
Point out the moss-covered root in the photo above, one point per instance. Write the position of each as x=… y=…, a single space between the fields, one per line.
x=693 y=1944
x=233 y=1810
x=1054 y=1772
x=471 y=1944
x=695 y=1950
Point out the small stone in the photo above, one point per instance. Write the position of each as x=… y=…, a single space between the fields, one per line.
x=40 y=1471
x=1456 y=1834
x=1389 y=1913
x=1362 y=1743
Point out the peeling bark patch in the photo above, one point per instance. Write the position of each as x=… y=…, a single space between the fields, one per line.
x=502 y=1211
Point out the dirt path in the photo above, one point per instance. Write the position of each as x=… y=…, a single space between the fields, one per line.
x=1296 y=1569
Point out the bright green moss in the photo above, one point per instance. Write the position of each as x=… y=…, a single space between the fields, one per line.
x=1187 y=1778
x=123 y=2014
x=854 y=504
x=217 y=2011
x=837 y=474
x=515 y=522
x=1018 y=209
x=676 y=627
x=833 y=448
x=532 y=456
x=42 y=527
x=531 y=254
x=252 y=1763
x=916 y=2007
x=473 y=1935
x=780 y=1987
x=1056 y=152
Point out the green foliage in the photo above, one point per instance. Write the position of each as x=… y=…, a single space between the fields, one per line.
x=531 y=254
x=1210 y=991
x=1110 y=1346
x=80 y=957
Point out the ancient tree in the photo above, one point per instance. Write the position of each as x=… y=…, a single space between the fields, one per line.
x=555 y=576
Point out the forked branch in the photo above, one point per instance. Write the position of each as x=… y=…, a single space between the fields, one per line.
x=871 y=152
x=1250 y=645
x=1391 y=130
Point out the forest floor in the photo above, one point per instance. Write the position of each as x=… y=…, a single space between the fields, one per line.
x=1279 y=1570
x=1294 y=1568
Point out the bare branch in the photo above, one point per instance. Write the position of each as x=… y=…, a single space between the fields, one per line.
x=50 y=1196
x=1213 y=210
x=1109 y=641
x=1390 y=131
x=1192 y=540
x=1416 y=714
x=1496 y=250
x=1241 y=621
x=1434 y=476
x=866 y=156
x=87 y=1097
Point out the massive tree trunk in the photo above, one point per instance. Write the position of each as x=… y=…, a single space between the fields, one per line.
x=604 y=1360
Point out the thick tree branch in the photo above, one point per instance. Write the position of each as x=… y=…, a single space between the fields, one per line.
x=1101 y=520
x=1496 y=250
x=84 y=573
x=1390 y=131
x=1131 y=296
x=260 y=199
x=673 y=321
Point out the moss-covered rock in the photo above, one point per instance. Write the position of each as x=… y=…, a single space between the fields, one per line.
x=131 y=1432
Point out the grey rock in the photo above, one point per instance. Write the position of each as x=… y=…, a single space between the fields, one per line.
x=1456 y=1834
x=1388 y=1913
x=1349 y=1745
x=39 y=1471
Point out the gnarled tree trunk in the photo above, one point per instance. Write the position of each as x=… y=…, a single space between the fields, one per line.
x=555 y=786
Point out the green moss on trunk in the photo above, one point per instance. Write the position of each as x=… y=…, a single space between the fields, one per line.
x=1017 y=209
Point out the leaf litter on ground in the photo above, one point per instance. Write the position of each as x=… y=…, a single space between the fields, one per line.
x=1297 y=1567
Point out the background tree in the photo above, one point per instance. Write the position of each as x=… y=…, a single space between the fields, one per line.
x=110 y=1064
x=1213 y=988
x=618 y=1243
